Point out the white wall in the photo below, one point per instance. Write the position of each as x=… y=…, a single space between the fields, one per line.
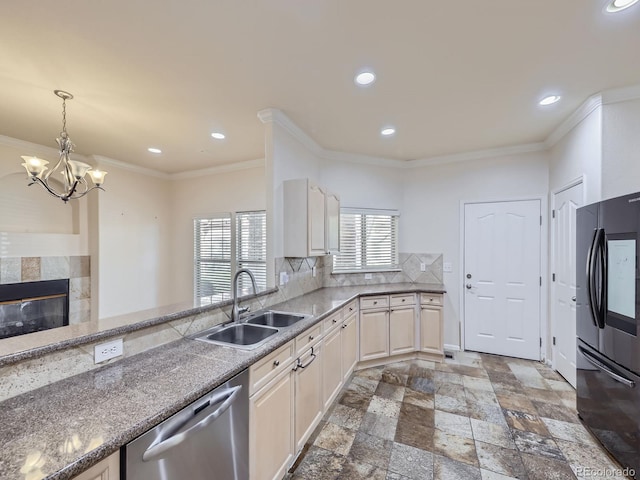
x=133 y=243
x=430 y=220
x=231 y=191
x=579 y=153
x=621 y=148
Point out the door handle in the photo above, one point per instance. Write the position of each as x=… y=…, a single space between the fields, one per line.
x=301 y=365
x=158 y=448
x=573 y=299
x=468 y=286
x=601 y=366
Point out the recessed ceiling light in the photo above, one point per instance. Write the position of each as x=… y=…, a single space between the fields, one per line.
x=387 y=131
x=550 y=100
x=365 y=78
x=618 y=5
x=154 y=150
x=218 y=135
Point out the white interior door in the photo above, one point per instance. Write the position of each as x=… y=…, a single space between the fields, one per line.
x=563 y=292
x=502 y=278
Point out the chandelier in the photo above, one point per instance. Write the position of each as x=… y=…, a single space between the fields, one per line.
x=74 y=184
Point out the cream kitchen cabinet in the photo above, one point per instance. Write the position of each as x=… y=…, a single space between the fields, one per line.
x=402 y=324
x=332 y=358
x=374 y=328
x=311 y=219
x=271 y=414
x=107 y=469
x=349 y=340
x=431 y=325
x=309 y=406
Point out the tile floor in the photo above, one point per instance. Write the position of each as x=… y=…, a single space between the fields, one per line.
x=476 y=416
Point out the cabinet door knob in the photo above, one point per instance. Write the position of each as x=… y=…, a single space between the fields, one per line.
x=335 y=321
x=404 y=299
x=310 y=337
x=344 y=326
x=276 y=363
x=375 y=303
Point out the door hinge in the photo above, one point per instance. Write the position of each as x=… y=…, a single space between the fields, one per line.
x=540 y=281
x=553 y=277
x=553 y=213
x=541 y=220
x=554 y=340
x=540 y=341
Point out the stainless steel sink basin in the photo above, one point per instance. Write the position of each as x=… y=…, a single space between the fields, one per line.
x=276 y=319
x=238 y=335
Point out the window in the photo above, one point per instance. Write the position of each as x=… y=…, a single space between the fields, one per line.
x=219 y=251
x=368 y=240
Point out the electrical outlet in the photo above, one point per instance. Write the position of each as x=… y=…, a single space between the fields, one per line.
x=107 y=351
x=313 y=271
x=447 y=267
x=368 y=276
x=284 y=278
x=423 y=267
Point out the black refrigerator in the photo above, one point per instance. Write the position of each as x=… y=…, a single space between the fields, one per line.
x=608 y=319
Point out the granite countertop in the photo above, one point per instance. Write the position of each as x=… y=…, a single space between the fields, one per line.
x=60 y=430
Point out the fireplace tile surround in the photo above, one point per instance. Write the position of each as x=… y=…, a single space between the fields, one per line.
x=163 y=325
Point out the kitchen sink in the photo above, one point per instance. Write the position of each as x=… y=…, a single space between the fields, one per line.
x=276 y=319
x=238 y=335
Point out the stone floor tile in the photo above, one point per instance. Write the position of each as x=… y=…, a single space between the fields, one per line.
x=335 y=439
x=374 y=373
x=541 y=395
x=372 y=450
x=477 y=383
x=483 y=396
x=584 y=459
x=450 y=390
x=415 y=415
x=487 y=412
x=415 y=435
x=445 y=468
x=455 y=447
x=526 y=422
x=517 y=402
x=539 y=468
x=364 y=384
x=500 y=460
x=446 y=378
x=319 y=464
x=389 y=391
x=417 y=370
x=492 y=433
x=560 y=385
x=383 y=406
x=528 y=442
x=411 y=462
x=355 y=470
x=489 y=475
x=573 y=432
x=379 y=426
x=346 y=417
x=454 y=424
x=556 y=412
x=451 y=404
x=394 y=378
x=356 y=400
x=504 y=376
x=420 y=399
x=420 y=384
x=398 y=367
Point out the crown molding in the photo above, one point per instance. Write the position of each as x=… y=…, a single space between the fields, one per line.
x=274 y=115
x=477 y=155
x=130 y=167
x=337 y=156
x=623 y=94
x=583 y=111
x=229 y=167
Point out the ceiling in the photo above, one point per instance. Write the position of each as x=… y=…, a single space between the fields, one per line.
x=453 y=76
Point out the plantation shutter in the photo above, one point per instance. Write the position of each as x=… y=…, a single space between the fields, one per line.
x=251 y=248
x=368 y=240
x=212 y=251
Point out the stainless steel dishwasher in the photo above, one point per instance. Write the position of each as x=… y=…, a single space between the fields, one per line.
x=208 y=440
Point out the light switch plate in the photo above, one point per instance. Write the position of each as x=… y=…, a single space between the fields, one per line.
x=284 y=278
x=108 y=350
x=423 y=267
x=447 y=267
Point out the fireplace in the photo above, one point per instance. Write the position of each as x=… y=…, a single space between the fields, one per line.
x=33 y=306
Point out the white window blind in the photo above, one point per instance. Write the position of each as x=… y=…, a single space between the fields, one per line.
x=368 y=240
x=220 y=251
x=251 y=248
x=212 y=262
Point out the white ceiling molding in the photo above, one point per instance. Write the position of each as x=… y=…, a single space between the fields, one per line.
x=477 y=155
x=621 y=94
x=362 y=159
x=279 y=117
x=130 y=167
x=230 y=167
x=583 y=111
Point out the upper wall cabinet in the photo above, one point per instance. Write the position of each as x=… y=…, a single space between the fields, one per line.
x=311 y=219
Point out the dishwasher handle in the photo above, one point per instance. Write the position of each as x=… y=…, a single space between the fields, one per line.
x=159 y=447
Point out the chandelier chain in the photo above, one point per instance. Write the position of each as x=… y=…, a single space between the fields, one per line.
x=64 y=115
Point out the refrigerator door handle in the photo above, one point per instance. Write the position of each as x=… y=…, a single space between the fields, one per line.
x=604 y=278
x=602 y=367
x=591 y=283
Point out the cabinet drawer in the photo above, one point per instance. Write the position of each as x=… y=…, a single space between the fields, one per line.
x=404 y=299
x=332 y=322
x=261 y=372
x=374 y=302
x=431 y=299
x=350 y=309
x=307 y=338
